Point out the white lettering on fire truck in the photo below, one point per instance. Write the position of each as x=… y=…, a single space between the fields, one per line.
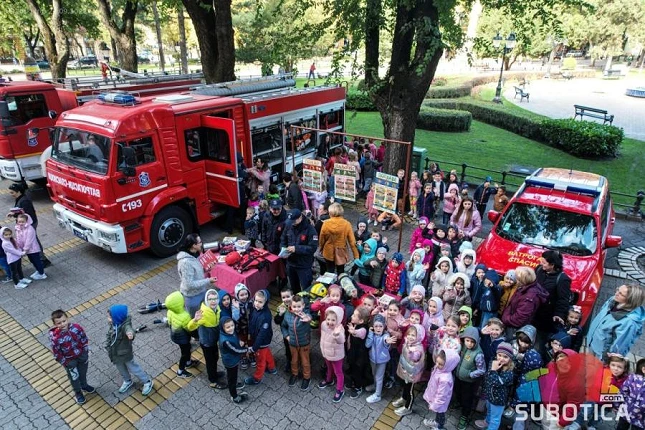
x=90 y=191
x=130 y=206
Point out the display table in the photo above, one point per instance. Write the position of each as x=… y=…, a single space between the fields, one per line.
x=254 y=279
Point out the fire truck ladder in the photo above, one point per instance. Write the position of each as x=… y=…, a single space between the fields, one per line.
x=124 y=78
x=246 y=86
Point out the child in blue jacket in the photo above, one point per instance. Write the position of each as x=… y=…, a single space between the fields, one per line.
x=261 y=334
x=232 y=350
x=379 y=353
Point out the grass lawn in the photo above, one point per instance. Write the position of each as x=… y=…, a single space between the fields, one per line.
x=493 y=148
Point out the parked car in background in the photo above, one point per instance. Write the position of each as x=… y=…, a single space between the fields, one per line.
x=558 y=209
x=143 y=60
x=84 y=62
x=43 y=64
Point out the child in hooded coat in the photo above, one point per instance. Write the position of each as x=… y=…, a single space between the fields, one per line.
x=119 y=347
x=232 y=349
x=466 y=262
x=633 y=391
x=357 y=356
x=394 y=278
x=206 y=322
x=415 y=270
x=476 y=290
x=225 y=305
x=368 y=252
x=416 y=300
x=440 y=386
x=469 y=373
x=379 y=354
x=433 y=320
x=27 y=241
x=178 y=320
x=489 y=302
x=410 y=369
x=332 y=346
x=440 y=276
x=416 y=241
x=241 y=308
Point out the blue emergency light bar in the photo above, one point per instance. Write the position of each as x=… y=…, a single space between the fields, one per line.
x=532 y=181
x=119 y=98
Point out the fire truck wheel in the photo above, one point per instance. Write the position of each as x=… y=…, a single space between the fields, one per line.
x=169 y=230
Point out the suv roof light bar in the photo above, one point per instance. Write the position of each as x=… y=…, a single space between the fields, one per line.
x=563 y=186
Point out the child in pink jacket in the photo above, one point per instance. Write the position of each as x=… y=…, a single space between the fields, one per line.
x=332 y=346
x=416 y=241
x=14 y=258
x=26 y=241
x=414 y=187
x=439 y=390
x=369 y=205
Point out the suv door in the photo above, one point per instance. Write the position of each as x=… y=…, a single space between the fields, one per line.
x=221 y=155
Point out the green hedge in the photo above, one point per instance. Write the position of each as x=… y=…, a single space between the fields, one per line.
x=444 y=119
x=579 y=138
x=448 y=92
x=582 y=138
x=359 y=100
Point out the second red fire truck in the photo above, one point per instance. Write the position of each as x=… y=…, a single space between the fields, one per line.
x=130 y=173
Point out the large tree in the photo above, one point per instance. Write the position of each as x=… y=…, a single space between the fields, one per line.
x=421 y=30
x=214 y=28
x=121 y=29
x=54 y=38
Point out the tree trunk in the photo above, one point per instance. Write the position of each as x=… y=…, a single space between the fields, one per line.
x=123 y=35
x=183 y=52
x=115 y=49
x=416 y=51
x=217 y=53
x=31 y=42
x=54 y=39
x=373 y=12
x=155 y=13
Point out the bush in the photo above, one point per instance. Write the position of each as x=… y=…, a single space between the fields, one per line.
x=578 y=138
x=439 y=82
x=359 y=100
x=444 y=119
x=448 y=92
x=569 y=63
x=582 y=138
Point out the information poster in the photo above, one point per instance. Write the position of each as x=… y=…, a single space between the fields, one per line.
x=312 y=175
x=385 y=190
x=345 y=182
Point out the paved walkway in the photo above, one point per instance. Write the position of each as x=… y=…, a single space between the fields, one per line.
x=555 y=98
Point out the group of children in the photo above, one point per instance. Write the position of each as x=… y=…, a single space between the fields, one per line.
x=15 y=246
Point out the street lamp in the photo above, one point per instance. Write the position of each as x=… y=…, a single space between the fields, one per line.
x=509 y=44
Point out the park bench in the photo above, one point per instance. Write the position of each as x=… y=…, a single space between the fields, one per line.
x=523 y=94
x=566 y=75
x=612 y=73
x=593 y=113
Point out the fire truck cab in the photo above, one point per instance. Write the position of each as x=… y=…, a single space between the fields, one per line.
x=130 y=173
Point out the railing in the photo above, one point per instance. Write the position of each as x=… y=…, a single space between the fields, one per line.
x=629 y=204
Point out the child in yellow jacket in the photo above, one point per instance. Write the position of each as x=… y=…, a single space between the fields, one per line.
x=206 y=322
x=178 y=320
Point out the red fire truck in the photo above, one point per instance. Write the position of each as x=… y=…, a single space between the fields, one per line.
x=130 y=173
x=25 y=108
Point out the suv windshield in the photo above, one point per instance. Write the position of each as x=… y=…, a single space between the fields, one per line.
x=569 y=232
x=81 y=149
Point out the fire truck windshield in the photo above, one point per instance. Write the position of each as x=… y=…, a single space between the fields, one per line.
x=87 y=151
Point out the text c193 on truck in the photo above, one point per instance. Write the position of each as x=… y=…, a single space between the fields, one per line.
x=28 y=109
x=129 y=173
x=559 y=209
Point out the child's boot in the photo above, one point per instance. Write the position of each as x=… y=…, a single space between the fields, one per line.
x=463 y=423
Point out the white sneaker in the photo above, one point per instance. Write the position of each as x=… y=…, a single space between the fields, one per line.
x=147 y=388
x=25 y=281
x=398 y=402
x=374 y=398
x=403 y=411
x=375 y=223
x=37 y=276
x=21 y=285
x=33 y=275
x=125 y=386
x=430 y=423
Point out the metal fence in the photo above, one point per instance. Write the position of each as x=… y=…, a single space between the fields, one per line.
x=628 y=204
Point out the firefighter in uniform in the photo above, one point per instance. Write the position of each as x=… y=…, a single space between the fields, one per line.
x=301 y=241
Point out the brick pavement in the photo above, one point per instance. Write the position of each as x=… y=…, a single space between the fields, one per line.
x=87 y=281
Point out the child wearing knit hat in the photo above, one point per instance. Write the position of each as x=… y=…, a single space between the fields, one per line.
x=394 y=279
x=497 y=383
x=379 y=352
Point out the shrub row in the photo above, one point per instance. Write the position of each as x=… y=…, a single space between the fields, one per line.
x=444 y=119
x=448 y=92
x=359 y=100
x=579 y=138
x=582 y=138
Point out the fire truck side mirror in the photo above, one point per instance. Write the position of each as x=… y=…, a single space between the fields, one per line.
x=52 y=114
x=128 y=162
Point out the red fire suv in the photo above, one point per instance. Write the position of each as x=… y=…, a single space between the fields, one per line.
x=558 y=209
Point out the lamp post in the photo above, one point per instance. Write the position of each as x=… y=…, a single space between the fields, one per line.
x=509 y=44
